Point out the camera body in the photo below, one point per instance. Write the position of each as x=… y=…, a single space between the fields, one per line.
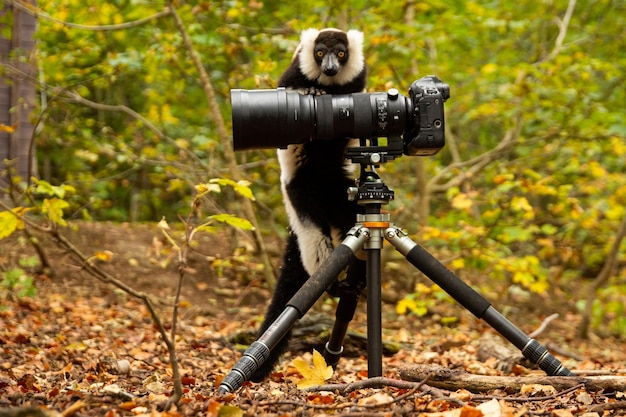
x=277 y=118
x=426 y=135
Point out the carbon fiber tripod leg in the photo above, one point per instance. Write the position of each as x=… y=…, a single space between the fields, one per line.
x=474 y=302
x=299 y=304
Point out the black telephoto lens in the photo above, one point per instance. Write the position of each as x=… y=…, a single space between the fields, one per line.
x=277 y=118
x=271 y=118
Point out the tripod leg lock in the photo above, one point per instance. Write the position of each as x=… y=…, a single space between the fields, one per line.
x=356 y=237
x=540 y=356
x=253 y=357
x=400 y=240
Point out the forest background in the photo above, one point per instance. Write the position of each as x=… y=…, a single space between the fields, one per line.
x=133 y=125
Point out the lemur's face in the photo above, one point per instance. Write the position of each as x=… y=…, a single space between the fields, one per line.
x=331 y=52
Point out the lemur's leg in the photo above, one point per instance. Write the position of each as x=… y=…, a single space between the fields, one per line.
x=292 y=277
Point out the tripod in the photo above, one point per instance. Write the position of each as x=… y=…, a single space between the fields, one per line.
x=368 y=233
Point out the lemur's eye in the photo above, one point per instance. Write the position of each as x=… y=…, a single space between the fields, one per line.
x=319 y=54
x=341 y=54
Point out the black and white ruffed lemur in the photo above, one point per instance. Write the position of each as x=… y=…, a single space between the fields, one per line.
x=315 y=175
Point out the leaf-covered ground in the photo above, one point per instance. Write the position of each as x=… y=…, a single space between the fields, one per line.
x=86 y=349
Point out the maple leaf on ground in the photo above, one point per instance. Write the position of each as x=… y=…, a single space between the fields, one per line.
x=313 y=375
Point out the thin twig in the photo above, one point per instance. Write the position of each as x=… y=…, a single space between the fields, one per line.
x=378 y=382
x=105 y=277
x=543 y=325
x=563 y=26
x=528 y=399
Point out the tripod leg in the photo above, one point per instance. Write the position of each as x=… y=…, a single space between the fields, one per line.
x=298 y=305
x=348 y=291
x=374 y=314
x=343 y=316
x=474 y=302
x=292 y=277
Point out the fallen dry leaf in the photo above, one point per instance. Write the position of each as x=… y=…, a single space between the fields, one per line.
x=313 y=375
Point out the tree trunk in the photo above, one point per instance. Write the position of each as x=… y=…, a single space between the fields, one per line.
x=17 y=94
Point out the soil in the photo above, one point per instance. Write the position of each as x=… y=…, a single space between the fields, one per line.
x=67 y=343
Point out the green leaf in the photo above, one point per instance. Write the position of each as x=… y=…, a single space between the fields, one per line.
x=206 y=228
x=44 y=187
x=233 y=221
x=548 y=229
x=241 y=187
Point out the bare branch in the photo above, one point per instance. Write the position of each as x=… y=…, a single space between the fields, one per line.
x=544 y=325
x=74 y=97
x=563 y=26
x=38 y=13
x=472 y=167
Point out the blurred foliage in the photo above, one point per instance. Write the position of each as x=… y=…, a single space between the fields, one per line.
x=539 y=215
x=17 y=282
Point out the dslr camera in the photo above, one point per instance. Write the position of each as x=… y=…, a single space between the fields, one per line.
x=414 y=124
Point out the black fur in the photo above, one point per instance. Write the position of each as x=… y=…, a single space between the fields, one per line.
x=317 y=190
x=294 y=78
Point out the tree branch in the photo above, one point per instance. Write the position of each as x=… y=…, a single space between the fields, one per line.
x=563 y=26
x=448 y=379
x=74 y=97
x=475 y=165
x=225 y=139
x=35 y=11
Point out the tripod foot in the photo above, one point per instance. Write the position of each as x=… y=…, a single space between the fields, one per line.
x=332 y=356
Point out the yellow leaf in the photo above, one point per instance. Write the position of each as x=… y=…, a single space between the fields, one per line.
x=8 y=224
x=534 y=389
x=313 y=375
x=104 y=256
x=233 y=221
x=208 y=188
x=12 y=220
x=489 y=68
x=229 y=411
x=404 y=305
x=54 y=209
x=462 y=201
x=241 y=187
x=7 y=129
x=458 y=263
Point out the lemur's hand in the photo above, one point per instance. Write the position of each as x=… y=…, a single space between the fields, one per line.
x=313 y=91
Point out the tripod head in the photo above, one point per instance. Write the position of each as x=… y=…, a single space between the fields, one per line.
x=370 y=189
